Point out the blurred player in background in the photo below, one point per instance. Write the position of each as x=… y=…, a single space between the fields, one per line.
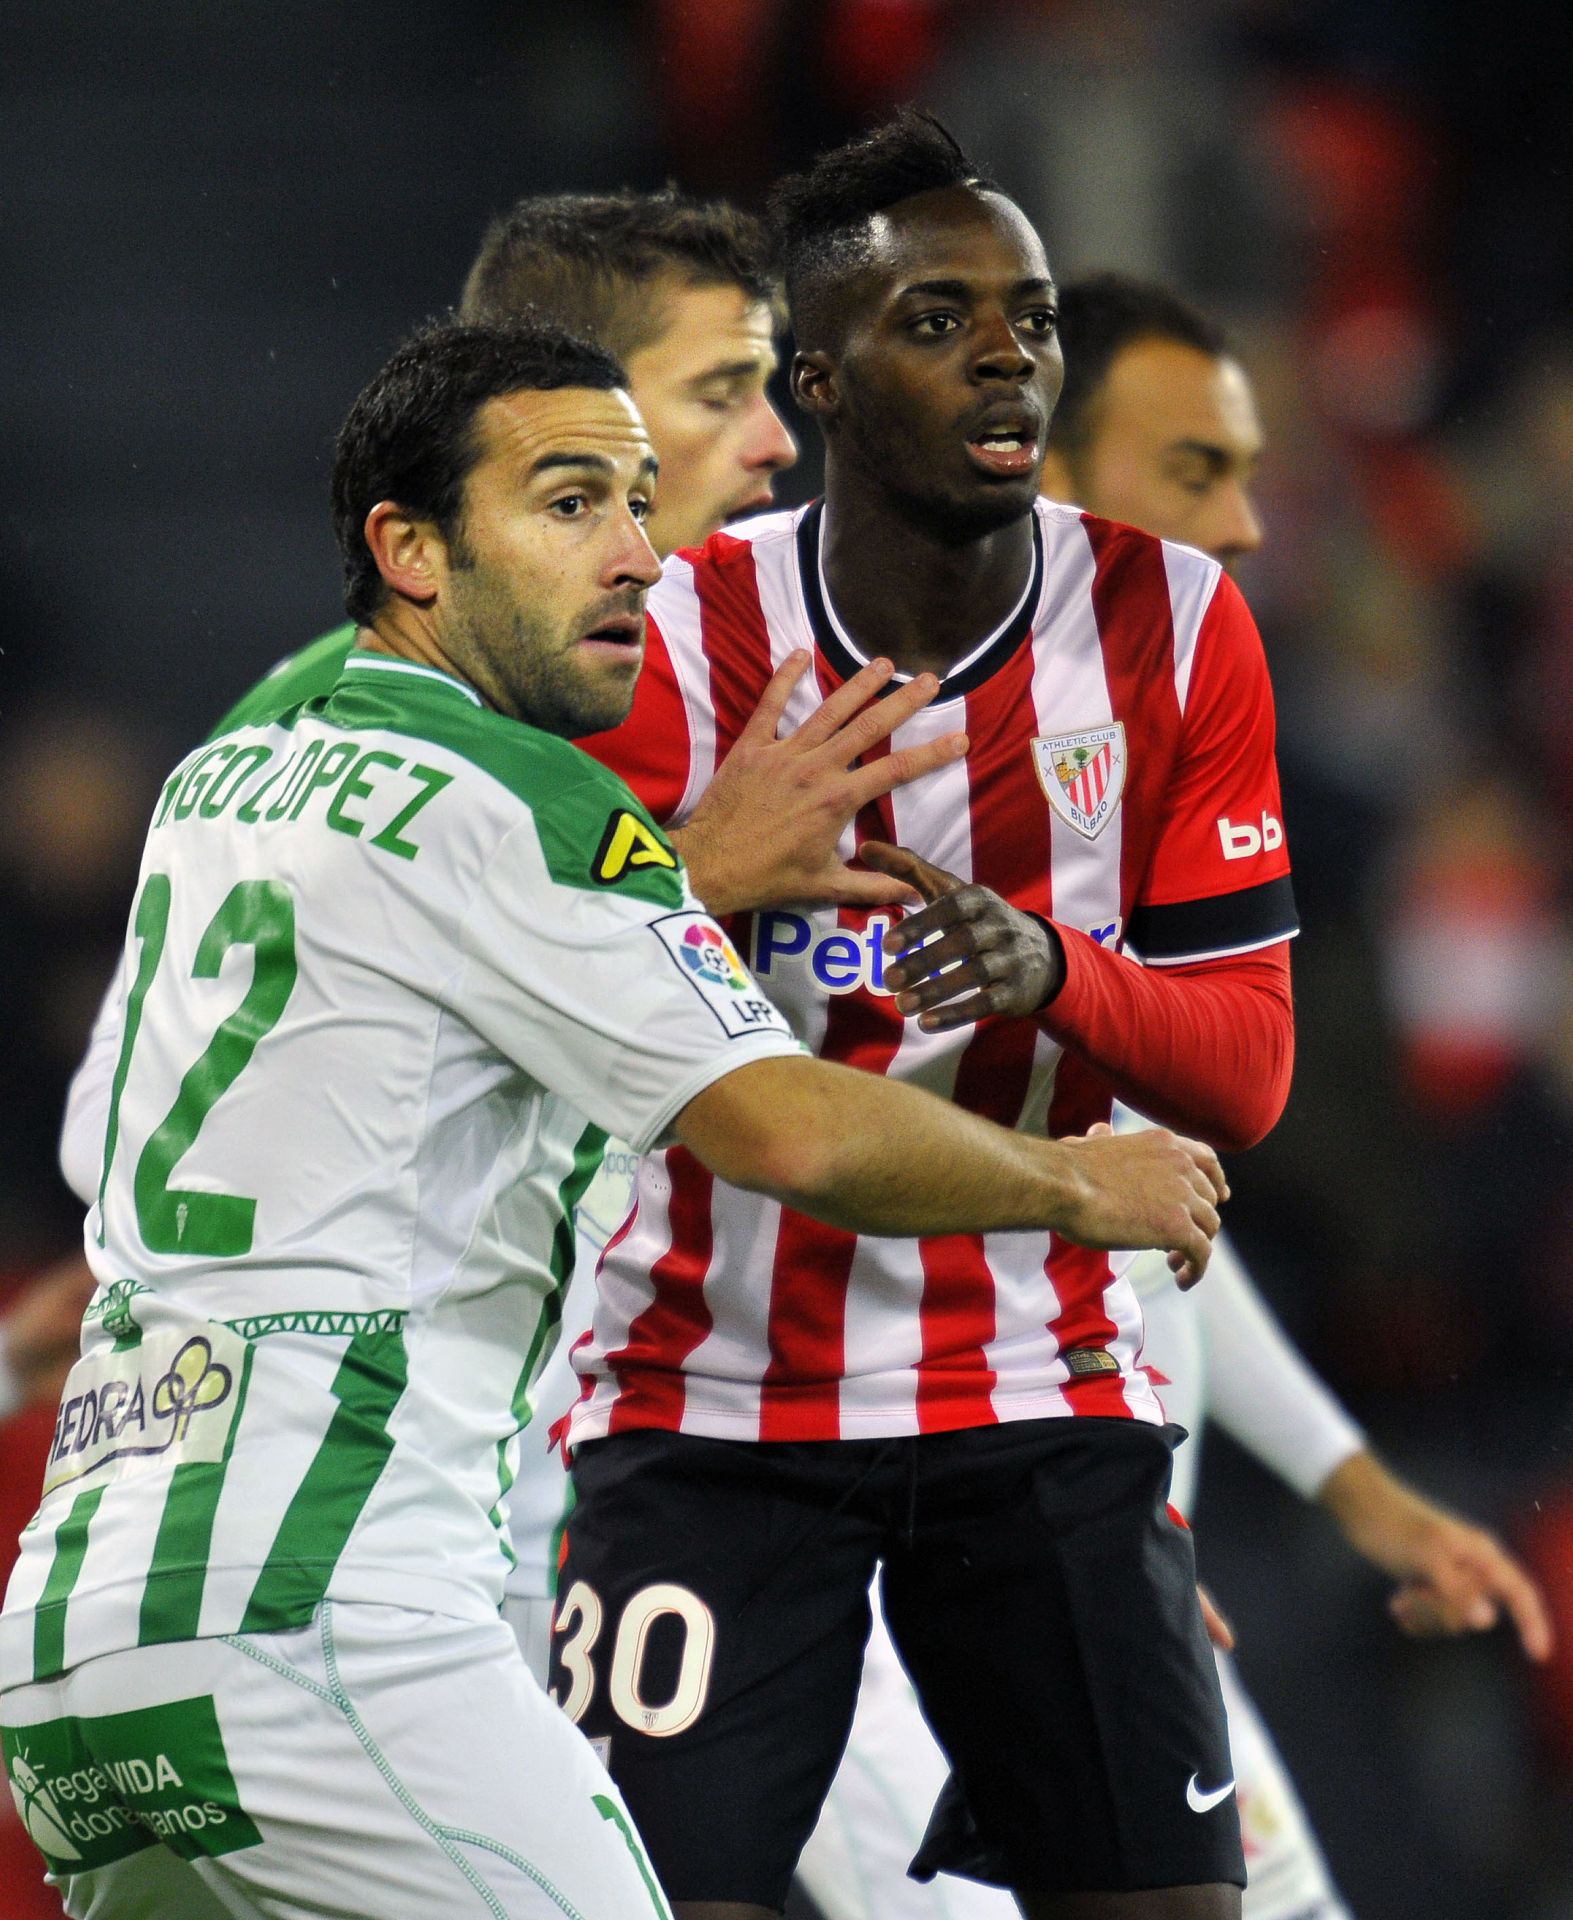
x=771 y=1410
x=1157 y=427
x=270 y=1553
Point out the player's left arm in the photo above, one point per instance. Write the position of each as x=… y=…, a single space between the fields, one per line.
x=1453 y=1577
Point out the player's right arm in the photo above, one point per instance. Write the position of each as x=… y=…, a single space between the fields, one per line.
x=586 y=958
x=878 y=1156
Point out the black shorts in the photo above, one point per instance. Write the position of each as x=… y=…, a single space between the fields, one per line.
x=713 y=1609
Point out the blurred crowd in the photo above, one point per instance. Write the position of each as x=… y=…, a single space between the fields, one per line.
x=1374 y=200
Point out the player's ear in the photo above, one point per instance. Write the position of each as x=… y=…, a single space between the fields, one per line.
x=815 y=386
x=410 y=554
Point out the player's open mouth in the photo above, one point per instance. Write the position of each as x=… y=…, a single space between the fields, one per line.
x=622 y=634
x=1005 y=447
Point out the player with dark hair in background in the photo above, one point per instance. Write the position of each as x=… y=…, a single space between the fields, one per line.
x=1157 y=426
x=772 y=1410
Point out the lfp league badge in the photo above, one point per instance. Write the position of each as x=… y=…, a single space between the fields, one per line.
x=1083 y=774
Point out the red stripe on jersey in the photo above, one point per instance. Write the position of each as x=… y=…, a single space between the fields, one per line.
x=1009 y=821
x=651 y=749
x=813 y=1263
x=1130 y=602
x=1081 y=1275
x=734 y=635
x=648 y=1366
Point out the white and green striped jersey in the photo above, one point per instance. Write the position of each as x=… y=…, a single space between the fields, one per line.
x=396 y=966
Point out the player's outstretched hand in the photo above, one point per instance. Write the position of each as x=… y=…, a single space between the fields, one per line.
x=1453 y=1577
x=968 y=952
x=1148 y=1189
x=765 y=832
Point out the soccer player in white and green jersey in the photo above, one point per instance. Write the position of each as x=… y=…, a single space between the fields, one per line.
x=399 y=958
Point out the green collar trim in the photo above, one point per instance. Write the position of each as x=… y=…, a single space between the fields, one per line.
x=361 y=661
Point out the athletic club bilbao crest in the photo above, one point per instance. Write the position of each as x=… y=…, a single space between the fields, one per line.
x=1083 y=775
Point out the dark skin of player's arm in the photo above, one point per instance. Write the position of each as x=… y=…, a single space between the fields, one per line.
x=944 y=338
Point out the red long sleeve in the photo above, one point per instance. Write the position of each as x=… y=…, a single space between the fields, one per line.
x=1206 y=1048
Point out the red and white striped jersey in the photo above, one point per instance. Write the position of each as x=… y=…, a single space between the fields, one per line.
x=1120 y=781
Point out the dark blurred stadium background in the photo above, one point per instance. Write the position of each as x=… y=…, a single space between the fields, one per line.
x=218 y=218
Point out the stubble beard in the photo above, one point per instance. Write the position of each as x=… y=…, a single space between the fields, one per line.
x=527 y=671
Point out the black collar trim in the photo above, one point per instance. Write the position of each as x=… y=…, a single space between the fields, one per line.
x=846 y=663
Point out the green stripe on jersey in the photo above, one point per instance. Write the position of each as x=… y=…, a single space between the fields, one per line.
x=49 y=1616
x=589 y=1151
x=172 y=1598
x=338 y=1483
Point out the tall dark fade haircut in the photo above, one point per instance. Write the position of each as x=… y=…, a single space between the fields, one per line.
x=410 y=435
x=820 y=218
x=603 y=263
x=1100 y=316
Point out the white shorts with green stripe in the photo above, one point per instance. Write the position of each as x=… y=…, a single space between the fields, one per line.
x=379 y=1762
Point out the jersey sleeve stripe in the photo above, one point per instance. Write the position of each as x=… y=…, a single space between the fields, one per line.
x=1225 y=924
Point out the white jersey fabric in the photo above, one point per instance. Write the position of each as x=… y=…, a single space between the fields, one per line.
x=376 y=1762
x=397 y=965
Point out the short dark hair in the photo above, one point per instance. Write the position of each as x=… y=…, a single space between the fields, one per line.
x=595 y=261
x=820 y=217
x=1099 y=317
x=410 y=435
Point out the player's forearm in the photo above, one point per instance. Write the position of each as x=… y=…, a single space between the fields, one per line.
x=1208 y=1049
x=875 y=1156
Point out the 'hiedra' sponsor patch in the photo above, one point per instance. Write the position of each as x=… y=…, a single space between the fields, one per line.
x=173 y=1396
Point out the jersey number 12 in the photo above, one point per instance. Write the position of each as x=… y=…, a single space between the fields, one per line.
x=258 y=914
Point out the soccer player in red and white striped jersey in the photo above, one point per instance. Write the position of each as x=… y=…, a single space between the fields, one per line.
x=1117 y=803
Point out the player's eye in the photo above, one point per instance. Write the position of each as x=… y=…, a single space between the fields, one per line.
x=640 y=509
x=570 y=506
x=1041 y=321
x=933 y=325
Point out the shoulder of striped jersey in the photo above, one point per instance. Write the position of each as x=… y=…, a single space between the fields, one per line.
x=729 y=547
x=593 y=833
x=307 y=675
x=1177 y=557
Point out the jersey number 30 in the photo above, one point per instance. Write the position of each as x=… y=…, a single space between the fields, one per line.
x=257 y=914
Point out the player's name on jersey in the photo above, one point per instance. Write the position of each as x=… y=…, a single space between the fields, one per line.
x=344 y=785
